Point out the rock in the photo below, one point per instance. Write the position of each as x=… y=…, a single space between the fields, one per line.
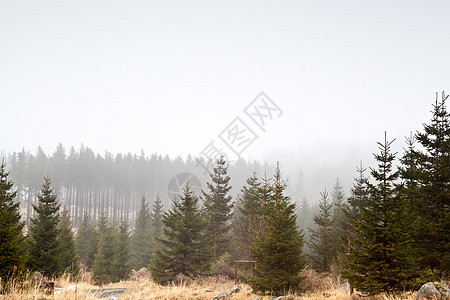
x=181 y=279
x=433 y=290
x=234 y=289
x=143 y=272
x=288 y=297
x=345 y=287
x=43 y=283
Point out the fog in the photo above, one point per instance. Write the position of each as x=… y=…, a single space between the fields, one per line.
x=170 y=77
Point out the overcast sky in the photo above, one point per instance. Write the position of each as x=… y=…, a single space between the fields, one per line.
x=170 y=76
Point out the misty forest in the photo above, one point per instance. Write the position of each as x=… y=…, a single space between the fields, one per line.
x=74 y=212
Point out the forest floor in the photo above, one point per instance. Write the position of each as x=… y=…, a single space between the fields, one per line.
x=202 y=288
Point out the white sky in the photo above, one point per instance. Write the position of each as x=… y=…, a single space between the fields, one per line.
x=169 y=76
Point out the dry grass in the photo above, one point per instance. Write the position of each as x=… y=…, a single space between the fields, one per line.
x=320 y=288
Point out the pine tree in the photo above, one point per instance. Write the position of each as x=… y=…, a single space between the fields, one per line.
x=68 y=257
x=156 y=215
x=278 y=252
x=142 y=237
x=338 y=236
x=218 y=206
x=249 y=218
x=358 y=198
x=321 y=242
x=352 y=211
x=380 y=259
x=305 y=215
x=102 y=271
x=186 y=244
x=11 y=236
x=121 y=265
x=433 y=194
x=44 y=246
x=102 y=224
x=86 y=242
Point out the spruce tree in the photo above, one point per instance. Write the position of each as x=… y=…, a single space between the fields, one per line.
x=358 y=198
x=186 y=243
x=249 y=217
x=68 y=256
x=218 y=206
x=352 y=211
x=278 y=252
x=321 y=241
x=102 y=271
x=156 y=215
x=142 y=238
x=380 y=254
x=86 y=242
x=11 y=236
x=44 y=245
x=432 y=195
x=305 y=215
x=338 y=237
x=121 y=265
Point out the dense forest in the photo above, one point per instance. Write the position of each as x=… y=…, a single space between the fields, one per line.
x=389 y=235
x=86 y=181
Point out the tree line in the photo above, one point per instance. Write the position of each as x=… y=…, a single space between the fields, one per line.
x=390 y=235
x=113 y=184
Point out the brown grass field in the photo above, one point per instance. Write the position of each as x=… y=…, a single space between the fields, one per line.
x=320 y=288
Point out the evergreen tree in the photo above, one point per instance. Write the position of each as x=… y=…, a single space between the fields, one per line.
x=380 y=254
x=278 y=252
x=44 y=246
x=121 y=266
x=86 y=242
x=358 y=198
x=432 y=196
x=11 y=236
x=142 y=237
x=102 y=225
x=218 y=206
x=157 y=214
x=321 y=242
x=305 y=218
x=338 y=236
x=102 y=271
x=186 y=243
x=352 y=210
x=249 y=217
x=68 y=257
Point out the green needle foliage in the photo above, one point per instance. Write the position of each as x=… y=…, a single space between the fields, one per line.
x=142 y=237
x=44 y=245
x=431 y=196
x=218 y=206
x=278 y=253
x=121 y=266
x=157 y=213
x=186 y=245
x=380 y=254
x=86 y=242
x=321 y=238
x=103 y=262
x=68 y=256
x=249 y=218
x=11 y=237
